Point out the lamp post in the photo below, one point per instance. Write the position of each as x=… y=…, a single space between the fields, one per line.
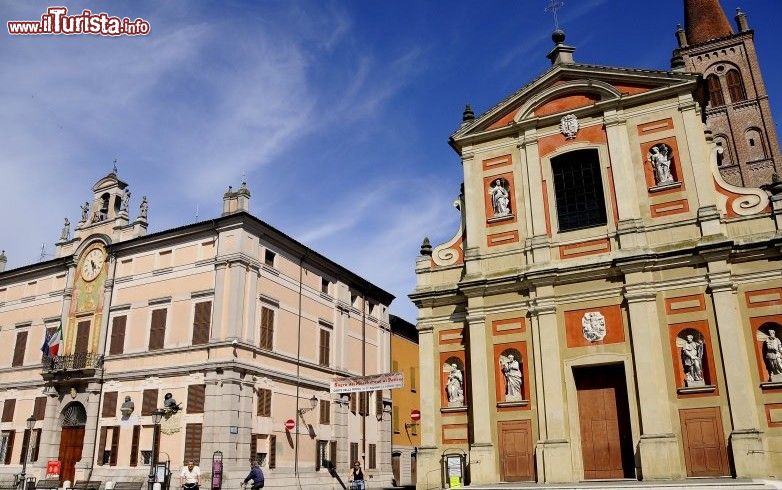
x=157 y=416
x=313 y=404
x=30 y=427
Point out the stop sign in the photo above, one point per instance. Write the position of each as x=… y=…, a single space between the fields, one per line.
x=290 y=424
x=415 y=415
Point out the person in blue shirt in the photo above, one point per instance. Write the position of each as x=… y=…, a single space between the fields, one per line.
x=256 y=475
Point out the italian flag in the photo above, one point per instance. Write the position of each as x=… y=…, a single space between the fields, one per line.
x=51 y=346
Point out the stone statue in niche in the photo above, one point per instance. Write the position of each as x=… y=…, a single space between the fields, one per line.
x=66 y=231
x=127 y=407
x=511 y=369
x=692 y=359
x=454 y=388
x=85 y=209
x=660 y=159
x=772 y=352
x=500 y=198
x=593 y=326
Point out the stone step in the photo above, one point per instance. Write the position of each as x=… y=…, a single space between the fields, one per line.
x=699 y=483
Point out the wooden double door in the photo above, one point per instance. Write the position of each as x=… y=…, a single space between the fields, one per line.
x=705 y=452
x=604 y=420
x=517 y=462
x=71 y=444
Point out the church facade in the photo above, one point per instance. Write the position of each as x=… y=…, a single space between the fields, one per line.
x=228 y=326
x=610 y=306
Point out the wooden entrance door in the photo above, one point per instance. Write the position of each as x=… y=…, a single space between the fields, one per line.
x=516 y=458
x=705 y=453
x=395 y=457
x=71 y=442
x=604 y=419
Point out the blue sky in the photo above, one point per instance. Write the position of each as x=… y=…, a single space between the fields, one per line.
x=337 y=112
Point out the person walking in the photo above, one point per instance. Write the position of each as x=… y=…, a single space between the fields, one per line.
x=190 y=477
x=256 y=475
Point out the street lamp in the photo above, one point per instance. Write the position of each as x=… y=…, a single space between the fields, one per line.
x=313 y=404
x=30 y=427
x=157 y=416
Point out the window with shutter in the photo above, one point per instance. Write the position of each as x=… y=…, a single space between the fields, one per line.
x=325 y=339
x=372 y=456
x=716 y=98
x=9 y=445
x=264 y=402
x=134 y=445
x=109 y=404
x=82 y=337
x=157 y=331
x=413 y=384
x=353 y=452
x=325 y=412
x=353 y=397
x=379 y=403
x=202 y=320
x=117 y=345
x=193 y=442
x=19 y=349
x=735 y=86
x=39 y=409
x=25 y=445
x=395 y=419
x=149 y=402
x=320 y=453
x=267 y=328
x=8 y=410
x=102 y=446
x=363 y=403
x=272 y=451
x=115 y=431
x=36 y=445
x=253 y=447
x=333 y=453
x=195 y=398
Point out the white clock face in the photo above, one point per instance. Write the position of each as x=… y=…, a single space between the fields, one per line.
x=92 y=265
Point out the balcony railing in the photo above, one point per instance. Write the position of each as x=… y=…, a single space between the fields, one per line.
x=73 y=362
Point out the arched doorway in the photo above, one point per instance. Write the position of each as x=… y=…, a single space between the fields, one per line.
x=72 y=421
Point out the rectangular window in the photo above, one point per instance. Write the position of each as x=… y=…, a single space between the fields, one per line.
x=363 y=403
x=272 y=451
x=353 y=398
x=325 y=340
x=36 y=445
x=267 y=328
x=157 y=331
x=578 y=186
x=19 y=349
x=109 y=404
x=325 y=412
x=7 y=446
x=25 y=446
x=39 y=409
x=8 y=410
x=413 y=373
x=49 y=332
x=394 y=366
x=379 y=404
x=117 y=345
x=255 y=454
x=372 y=456
x=195 y=398
x=102 y=454
x=264 y=402
x=320 y=454
x=82 y=339
x=353 y=452
x=395 y=419
x=268 y=257
x=333 y=453
x=202 y=319
x=324 y=285
x=114 y=445
x=134 y=445
x=193 y=442
x=149 y=402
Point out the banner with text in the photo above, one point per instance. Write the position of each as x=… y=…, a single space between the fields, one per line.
x=387 y=381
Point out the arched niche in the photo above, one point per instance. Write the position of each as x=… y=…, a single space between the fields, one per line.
x=770 y=350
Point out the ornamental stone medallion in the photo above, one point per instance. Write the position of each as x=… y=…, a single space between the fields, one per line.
x=593 y=325
x=569 y=126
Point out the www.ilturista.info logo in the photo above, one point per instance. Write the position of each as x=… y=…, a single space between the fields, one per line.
x=57 y=21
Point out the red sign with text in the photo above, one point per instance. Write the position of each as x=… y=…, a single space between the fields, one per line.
x=53 y=468
x=290 y=424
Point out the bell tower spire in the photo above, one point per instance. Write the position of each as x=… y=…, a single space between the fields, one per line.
x=705 y=20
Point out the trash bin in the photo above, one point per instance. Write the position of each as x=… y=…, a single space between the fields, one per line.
x=454 y=466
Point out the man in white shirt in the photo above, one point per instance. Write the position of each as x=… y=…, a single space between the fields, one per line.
x=190 y=477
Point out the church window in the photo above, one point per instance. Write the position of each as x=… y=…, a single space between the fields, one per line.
x=735 y=86
x=755 y=147
x=715 y=91
x=578 y=187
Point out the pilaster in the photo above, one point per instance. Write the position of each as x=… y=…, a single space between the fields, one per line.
x=92 y=407
x=658 y=447
x=482 y=444
x=50 y=435
x=535 y=197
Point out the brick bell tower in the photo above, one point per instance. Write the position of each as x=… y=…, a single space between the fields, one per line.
x=738 y=112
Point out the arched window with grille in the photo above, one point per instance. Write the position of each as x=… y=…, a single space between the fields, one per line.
x=716 y=98
x=735 y=86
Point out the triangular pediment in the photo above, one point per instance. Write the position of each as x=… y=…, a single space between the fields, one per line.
x=563 y=89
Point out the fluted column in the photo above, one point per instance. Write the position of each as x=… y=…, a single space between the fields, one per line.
x=658 y=447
